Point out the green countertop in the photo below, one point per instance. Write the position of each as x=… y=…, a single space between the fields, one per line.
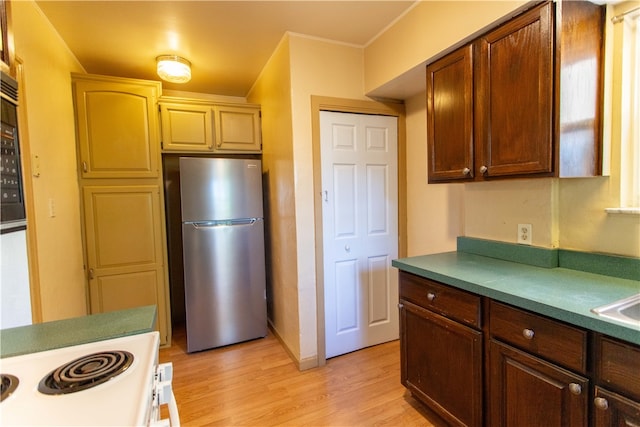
x=560 y=293
x=78 y=330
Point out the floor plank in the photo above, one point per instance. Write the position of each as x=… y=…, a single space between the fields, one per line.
x=256 y=384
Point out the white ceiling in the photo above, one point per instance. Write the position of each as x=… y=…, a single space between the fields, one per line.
x=227 y=42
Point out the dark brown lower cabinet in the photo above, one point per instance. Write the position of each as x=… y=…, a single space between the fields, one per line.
x=613 y=410
x=442 y=364
x=528 y=391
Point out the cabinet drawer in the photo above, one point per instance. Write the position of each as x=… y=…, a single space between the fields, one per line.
x=618 y=366
x=549 y=339
x=442 y=299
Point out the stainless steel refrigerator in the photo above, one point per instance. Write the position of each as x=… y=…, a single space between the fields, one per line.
x=223 y=251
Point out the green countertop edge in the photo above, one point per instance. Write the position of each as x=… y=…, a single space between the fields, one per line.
x=607 y=265
x=77 y=330
x=586 y=321
x=523 y=254
x=597 y=263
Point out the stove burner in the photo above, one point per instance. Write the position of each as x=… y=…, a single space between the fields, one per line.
x=8 y=385
x=85 y=372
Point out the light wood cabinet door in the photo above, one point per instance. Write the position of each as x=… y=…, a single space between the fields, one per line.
x=117 y=127
x=124 y=248
x=450 y=112
x=515 y=96
x=526 y=390
x=186 y=127
x=237 y=129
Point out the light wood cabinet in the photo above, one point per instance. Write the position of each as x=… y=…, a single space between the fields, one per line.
x=122 y=200
x=116 y=127
x=238 y=129
x=193 y=126
x=522 y=100
x=186 y=127
x=441 y=358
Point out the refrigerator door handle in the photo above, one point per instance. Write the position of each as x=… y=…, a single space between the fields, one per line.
x=223 y=223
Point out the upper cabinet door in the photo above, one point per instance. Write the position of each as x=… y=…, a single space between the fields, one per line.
x=237 y=129
x=117 y=128
x=186 y=127
x=515 y=96
x=450 y=116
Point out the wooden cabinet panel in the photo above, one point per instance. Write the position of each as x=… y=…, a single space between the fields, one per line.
x=450 y=115
x=618 y=366
x=515 y=95
x=445 y=300
x=527 y=391
x=124 y=248
x=550 y=339
x=237 y=129
x=186 y=127
x=522 y=100
x=442 y=364
x=613 y=410
x=117 y=128
x=122 y=203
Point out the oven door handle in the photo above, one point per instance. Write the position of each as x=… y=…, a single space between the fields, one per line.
x=174 y=417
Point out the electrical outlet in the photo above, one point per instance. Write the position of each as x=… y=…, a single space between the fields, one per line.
x=524 y=234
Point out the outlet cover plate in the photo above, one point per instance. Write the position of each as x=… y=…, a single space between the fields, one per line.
x=524 y=234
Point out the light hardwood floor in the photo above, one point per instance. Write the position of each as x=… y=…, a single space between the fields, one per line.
x=256 y=384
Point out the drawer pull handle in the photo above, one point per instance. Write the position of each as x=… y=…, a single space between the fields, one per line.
x=528 y=334
x=466 y=171
x=575 y=389
x=601 y=403
x=431 y=296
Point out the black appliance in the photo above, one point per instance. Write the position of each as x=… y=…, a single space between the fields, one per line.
x=12 y=211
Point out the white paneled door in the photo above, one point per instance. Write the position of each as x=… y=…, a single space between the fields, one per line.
x=360 y=229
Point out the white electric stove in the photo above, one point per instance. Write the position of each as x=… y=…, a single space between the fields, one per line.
x=115 y=382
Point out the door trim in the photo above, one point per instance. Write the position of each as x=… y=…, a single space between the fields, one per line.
x=343 y=105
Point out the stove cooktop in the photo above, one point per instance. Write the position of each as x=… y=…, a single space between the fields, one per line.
x=120 y=399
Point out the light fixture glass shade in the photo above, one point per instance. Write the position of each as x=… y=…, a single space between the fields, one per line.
x=173 y=68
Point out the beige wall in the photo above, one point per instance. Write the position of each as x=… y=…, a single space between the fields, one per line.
x=315 y=67
x=272 y=91
x=324 y=69
x=425 y=31
x=46 y=93
x=434 y=212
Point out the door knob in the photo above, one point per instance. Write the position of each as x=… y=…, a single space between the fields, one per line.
x=347 y=248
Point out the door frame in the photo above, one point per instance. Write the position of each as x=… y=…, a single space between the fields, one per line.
x=343 y=105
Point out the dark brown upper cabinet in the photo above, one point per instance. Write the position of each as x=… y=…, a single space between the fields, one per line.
x=522 y=100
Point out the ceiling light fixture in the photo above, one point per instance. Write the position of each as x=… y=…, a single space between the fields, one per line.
x=174 y=68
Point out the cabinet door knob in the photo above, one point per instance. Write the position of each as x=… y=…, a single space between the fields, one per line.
x=431 y=296
x=575 y=388
x=528 y=334
x=601 y=403
x=466 y=171
x=483 y=169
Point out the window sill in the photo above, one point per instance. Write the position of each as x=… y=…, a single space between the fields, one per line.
x=623 y=211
